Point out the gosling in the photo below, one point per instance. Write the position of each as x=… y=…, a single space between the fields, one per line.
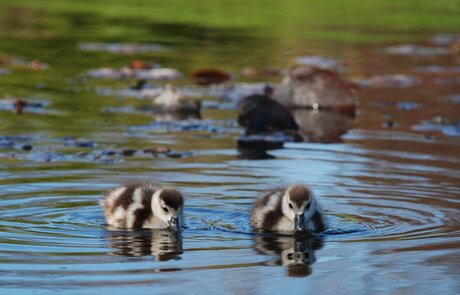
x=136 y=206
x=288 y=209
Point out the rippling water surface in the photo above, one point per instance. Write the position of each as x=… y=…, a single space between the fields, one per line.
x=390 y=188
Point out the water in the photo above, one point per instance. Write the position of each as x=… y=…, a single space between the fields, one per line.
x=390 y=189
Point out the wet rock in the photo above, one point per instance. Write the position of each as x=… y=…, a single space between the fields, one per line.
x=444 y=39
x=5 y=71
x=38 y=65
x=107 y=73
x=311 y=87
x=438 y=69
x=178 y=155
x=172 y=100
x=141 y=93
x=447 y=80
x=439 y=124
x=411 y=49
x=6 y=143
x=251 y=72
x=261 y=114
x=109 y=153
x=158 y=74
x=407 y=105
x=455 y=48
x=235 y=92
x=121 y=48
x=140 y=74
x=389 y=81
x=206 y=77
x=78 y=142
x=21 y=62
x=128 y=152
x=19 y=105
x=16 y=142
x=321 y=62
x=212 y=104
x=455 y=98
x=214 y=126
x=142 y=65
x=389 y=124
x=157 y=150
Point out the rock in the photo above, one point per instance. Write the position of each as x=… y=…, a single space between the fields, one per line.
x=410 y=49
x=314 y=88
x=106 y=73
x=235 y=92
x=209 y=76
x=251 y=72
x=445 y=39
x=19 y=105
x=128 y=152
x=78 y=142
x=326 y=63
x=123 y=48
x=5 y=71
x=438 y=69
x=172 y=100
x=213 y=126
x=157 y=150
x=261 y=114
x=389 y=81
x=439 y=124
x=158 y=74
x=27 y=147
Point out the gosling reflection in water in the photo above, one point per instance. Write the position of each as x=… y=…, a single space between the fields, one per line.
x=296 y=253
x=162 y=244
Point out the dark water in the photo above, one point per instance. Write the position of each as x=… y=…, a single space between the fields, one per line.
x=390 y=187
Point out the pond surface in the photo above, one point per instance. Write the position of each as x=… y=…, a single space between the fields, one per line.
x=390 y=187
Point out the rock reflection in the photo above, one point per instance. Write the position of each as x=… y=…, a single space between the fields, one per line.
x=323 y=126
x=254 y=153
x=162 y=244
x=296 y=253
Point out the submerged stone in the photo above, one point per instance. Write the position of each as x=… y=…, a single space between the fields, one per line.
x=411 y=49
x=209 y=76
x=389 y=81
x=327 y=63
x=440 y=124
x=122 y=48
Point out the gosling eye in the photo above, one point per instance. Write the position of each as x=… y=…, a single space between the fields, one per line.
x=308 y=206
x=165 y=210
x=290 y=205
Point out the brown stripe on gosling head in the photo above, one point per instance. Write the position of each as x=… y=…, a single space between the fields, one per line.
x=172 y=198
x=299 y=194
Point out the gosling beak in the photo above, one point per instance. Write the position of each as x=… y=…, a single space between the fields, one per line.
x=299 y=222
x=174 y=223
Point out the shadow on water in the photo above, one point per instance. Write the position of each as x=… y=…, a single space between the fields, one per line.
x=163 y=245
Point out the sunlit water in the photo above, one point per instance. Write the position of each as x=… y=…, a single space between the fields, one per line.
x=390 y=192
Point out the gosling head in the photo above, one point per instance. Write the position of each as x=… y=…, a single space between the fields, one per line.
x=298 y=204
x=167 y=204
